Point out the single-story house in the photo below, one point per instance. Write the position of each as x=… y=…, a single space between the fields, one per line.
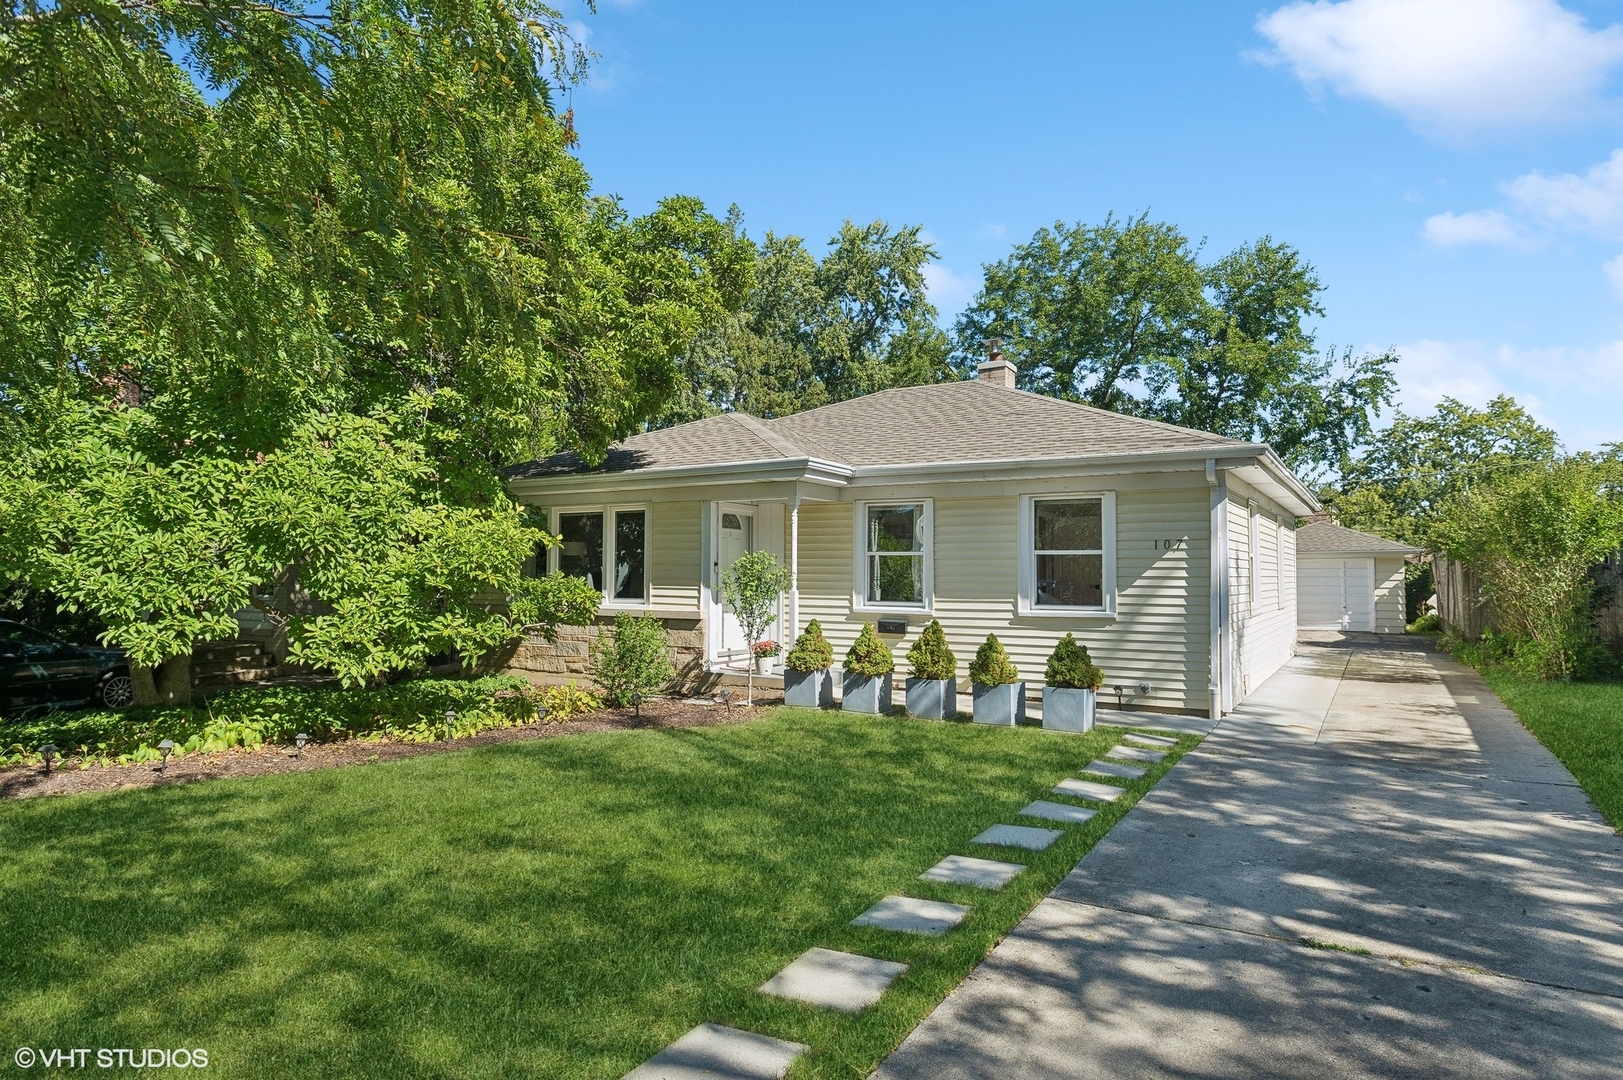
x=1349 y=580
x=1169 y=552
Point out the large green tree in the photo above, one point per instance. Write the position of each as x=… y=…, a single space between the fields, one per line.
x=1125 y=316
x=815 y=331
x=1398 y=485
x=245 y=221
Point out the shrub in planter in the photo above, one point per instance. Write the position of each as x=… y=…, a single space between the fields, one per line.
x=1070 y=692
x=932 y=689
x=868 y=664
x=807 y=682
x=999 y=697
x=634 y=661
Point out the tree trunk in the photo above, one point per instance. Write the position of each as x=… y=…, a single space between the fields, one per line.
x=170 y=683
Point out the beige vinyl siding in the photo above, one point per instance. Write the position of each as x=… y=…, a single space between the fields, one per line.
x=1389 y=595
x=673 y=556
x=1264 y=629
x=1159 y=635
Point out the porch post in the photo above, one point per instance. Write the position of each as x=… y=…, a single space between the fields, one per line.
x=794 y=570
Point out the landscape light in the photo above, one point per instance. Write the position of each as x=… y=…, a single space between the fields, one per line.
x=1120 y=690
x=298 y=741
x=636 y=703
x=727 y=699
x=166 y=748
x=450 y=722
x=48 y=751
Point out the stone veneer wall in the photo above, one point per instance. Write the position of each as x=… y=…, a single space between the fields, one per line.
x=564 y=660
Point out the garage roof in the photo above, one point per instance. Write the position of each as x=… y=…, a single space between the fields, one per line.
x=1327 y=538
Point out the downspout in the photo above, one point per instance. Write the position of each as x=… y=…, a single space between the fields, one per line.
x=794 y=571
x=1218 y=559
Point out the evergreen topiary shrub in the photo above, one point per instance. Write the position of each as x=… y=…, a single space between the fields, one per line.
x=930 y=655
x=868 y=656
x=1071 y=668
x=635 y=660
x=992 y=666
x=812 y=652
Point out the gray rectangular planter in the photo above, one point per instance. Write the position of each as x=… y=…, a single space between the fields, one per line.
x=1067 y=709
x=866 y=694
x=1004 y=704
x=932 y=699
x=808 y=689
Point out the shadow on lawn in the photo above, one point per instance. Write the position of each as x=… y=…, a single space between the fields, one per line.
x=556 y=908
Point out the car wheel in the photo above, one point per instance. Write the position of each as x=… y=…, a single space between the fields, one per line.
x=115 y=692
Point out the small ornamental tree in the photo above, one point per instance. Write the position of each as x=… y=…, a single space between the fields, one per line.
x=930 y=655
x=1071 y=668
x=868 y=656
x=751 y=587
x=992 y=666
x=634 y=661
x=812 y=652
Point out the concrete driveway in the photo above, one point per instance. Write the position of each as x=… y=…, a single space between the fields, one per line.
x=1368 y=870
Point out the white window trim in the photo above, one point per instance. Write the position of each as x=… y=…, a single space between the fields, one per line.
x=1279 y=566
x=859 y=551
x=1254 y=551
x=1026 y=603
x=608 y=510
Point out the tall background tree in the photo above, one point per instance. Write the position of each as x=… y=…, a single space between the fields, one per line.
x=1124 y=316
x=816 y=331
x=244 y=220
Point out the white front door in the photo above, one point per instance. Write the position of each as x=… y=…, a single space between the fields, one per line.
x=1335 y=594
x=736 y=535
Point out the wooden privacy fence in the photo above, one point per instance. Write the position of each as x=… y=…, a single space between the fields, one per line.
x=1460 y=604
x=1465 y=613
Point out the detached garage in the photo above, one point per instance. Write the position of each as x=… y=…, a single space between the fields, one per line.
x=1349 y=580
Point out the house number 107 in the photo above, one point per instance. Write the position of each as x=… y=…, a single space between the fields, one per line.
x=1167 y=545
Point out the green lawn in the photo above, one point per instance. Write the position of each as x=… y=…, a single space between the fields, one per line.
x=558 y=908
x=1582 y=724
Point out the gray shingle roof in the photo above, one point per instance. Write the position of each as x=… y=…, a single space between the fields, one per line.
x=1326 y=538
x=942 y=423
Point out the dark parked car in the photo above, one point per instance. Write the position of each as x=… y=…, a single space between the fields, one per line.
x=38 y=670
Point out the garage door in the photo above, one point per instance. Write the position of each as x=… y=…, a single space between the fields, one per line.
x=1335 y=593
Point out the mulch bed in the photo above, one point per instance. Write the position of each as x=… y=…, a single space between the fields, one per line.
x=24 y=782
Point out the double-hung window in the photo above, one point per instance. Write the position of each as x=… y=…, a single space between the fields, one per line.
x=893 y=556
x=608 y=547
x=1067 y=564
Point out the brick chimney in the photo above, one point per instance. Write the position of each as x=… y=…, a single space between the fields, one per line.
x=995 y=369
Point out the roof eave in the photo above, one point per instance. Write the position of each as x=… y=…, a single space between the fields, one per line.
x=764 y=470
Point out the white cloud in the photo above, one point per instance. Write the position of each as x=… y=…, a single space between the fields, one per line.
x=1613 y=269
x=1451 y=67
x=1578 y=391
x=946 y=290
x=1592 y=202
x=1449 y=229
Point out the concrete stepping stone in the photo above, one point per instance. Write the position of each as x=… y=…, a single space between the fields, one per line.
x=1110 y=768
x=834 y=980
x=1149 y=740
x=713 y=1052
x=906 y=915
x=1135 y=753
x=1089 y=789
x=1056 y=811
x=978 y=873
x=1021 y=836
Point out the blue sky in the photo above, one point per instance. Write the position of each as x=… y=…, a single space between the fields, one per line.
x=1445 y=164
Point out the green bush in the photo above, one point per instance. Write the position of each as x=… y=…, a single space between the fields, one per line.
x=634 y=660
x=868 y=656
x=930 y=655
x=1071 y=668
x=812 y=652
x=992 y=666
x=410 y=711
x=1429 y=623
x=566 y=702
